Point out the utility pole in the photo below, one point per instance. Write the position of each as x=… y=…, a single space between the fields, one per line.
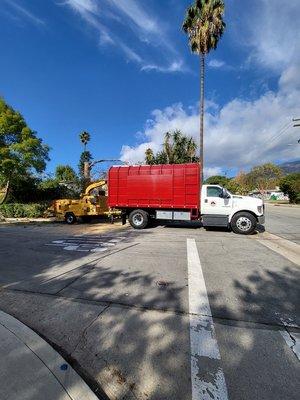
x=297 y=125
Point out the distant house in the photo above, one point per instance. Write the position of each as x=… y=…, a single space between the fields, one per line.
x=270 y=194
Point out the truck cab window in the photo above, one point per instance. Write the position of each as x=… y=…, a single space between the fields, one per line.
x=214 y=191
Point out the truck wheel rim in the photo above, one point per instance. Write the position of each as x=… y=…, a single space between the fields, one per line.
x=70 y=218
x=138 y=219
x=244 y=224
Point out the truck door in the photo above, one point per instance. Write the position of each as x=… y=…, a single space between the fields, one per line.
x=213 y=203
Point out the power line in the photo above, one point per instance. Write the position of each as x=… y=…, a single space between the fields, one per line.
x=279 y=133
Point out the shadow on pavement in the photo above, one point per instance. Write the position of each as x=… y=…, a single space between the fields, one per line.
x=143 y=353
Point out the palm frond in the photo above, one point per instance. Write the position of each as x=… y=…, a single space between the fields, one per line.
x=204 y=25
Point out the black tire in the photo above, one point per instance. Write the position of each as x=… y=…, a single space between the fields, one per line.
x=243 y=223
x=138 y=219
x=70 y=218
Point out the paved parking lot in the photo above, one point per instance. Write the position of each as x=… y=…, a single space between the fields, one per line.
x=171 y=312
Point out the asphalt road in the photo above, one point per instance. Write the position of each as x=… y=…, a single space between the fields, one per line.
x=284 y=221
x=171 y=312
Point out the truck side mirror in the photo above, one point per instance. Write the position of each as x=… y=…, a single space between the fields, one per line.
x=225 y=194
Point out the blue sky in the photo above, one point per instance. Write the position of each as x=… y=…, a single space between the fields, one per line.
x=122 y=70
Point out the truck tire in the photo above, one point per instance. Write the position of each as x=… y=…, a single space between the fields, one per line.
x=243 y=223
x=70 y=218
x=138 y=219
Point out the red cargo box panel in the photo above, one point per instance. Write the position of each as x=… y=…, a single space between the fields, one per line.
x=154 y=186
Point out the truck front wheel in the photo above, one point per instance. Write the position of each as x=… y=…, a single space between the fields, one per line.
x=138 y=219
x=243 y=223
x=70 y=218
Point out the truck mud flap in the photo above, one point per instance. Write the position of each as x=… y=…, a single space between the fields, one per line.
x=215 y=220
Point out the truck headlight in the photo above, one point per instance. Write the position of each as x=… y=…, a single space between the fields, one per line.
x=260 y=209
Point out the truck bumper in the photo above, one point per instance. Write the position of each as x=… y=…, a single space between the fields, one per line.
x=261 y=220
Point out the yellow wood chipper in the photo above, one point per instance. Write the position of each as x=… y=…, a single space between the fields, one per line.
x=92 y=204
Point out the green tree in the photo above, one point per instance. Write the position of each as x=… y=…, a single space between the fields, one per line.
x=217 y=180
x=263 y=177
x=177 y=149
x=149 y=157
x=21 y=151
x=290 y=186
x=66 y=174
x=243 y=182
x=228 y=183
x=204 y=26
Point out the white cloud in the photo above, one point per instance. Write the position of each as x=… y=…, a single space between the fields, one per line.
x=148 y=31
x=244 y=133
x=88 y=10
x=173 y=67
x=214 y=63
x=25 y=13
x=135 y=12
x=83 y=5
x=240 y=135
x=273 y=33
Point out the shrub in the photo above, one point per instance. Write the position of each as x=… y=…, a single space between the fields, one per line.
x=290 y=185
x=19 y=210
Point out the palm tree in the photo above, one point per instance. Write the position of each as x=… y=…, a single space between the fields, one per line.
x=149 y=156
x=191 y=149
x=84 y=137
x=204 y=26
x=176 y=149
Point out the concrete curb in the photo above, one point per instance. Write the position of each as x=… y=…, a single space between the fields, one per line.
x=283 y=205
x=284 y=247
x=68 y=381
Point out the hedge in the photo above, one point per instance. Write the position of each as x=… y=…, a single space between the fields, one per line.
x=19 y=210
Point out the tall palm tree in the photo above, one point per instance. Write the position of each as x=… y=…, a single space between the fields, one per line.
x=204 y=26
x=84 y=137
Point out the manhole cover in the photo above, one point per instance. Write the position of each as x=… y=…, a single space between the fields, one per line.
x=162 y=284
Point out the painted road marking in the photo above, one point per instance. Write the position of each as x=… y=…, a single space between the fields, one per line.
x=85 y=243
x=284 y=247
x=208 y=380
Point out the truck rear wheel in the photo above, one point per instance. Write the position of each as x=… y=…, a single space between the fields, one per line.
x=138 y=219
x=243 y=223
x=70 y=218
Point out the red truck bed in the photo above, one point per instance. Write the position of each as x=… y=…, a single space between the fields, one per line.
x=175 y=186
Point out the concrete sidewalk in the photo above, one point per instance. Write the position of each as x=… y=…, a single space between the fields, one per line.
x=30 y=369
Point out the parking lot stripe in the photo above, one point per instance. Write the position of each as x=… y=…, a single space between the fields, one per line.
x=207 y=376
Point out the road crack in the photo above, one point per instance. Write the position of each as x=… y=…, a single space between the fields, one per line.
x=83 y=334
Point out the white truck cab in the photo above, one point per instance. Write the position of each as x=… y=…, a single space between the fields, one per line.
x=221 y=208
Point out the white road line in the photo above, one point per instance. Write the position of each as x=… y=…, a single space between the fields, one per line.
x=98 y=249
x=208 y=381
x=71 y=248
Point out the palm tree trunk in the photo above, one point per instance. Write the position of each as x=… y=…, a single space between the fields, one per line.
x=202 y=73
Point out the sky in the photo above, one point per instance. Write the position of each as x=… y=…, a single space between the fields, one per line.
x=122 y=70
